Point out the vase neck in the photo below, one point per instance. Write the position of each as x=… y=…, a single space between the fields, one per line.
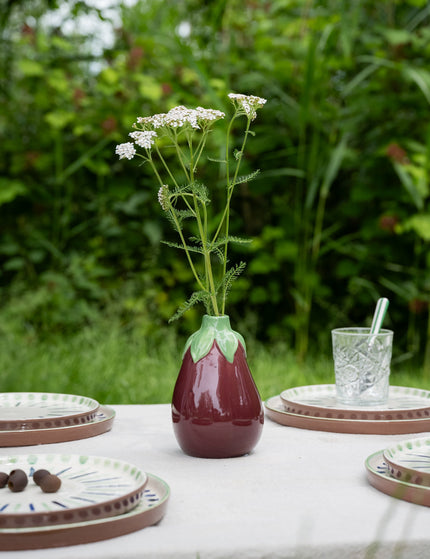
x=217 y=322
x=214 y=329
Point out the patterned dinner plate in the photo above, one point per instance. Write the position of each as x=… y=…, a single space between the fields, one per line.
x=319 y=400
x=41 y=410
x=378 y=475
x=101 y=423
x=149 y=510
x=410 y=461
x=91 y=487
x=275 y=410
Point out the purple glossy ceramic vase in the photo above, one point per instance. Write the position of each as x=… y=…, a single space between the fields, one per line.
x=216 y=408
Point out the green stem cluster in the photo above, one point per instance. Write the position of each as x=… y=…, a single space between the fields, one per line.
x=195 y=203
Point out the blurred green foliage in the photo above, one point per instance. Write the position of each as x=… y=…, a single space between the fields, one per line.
x=340 y=213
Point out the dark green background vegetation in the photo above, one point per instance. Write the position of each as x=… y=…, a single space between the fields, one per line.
x=339 y=215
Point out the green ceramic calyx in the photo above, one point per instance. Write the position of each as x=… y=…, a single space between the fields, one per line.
x=214 y=328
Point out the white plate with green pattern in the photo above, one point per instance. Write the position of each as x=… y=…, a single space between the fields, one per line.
x=320 y=400
x=150 y=510
x=92 y=487
x=410 y=461
x=44 y=410
x=378 y=475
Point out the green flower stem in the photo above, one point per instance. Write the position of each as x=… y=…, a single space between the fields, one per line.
x=190 y=261
x=202 y=227
x=230 y=189
x=165 y=165
x=181 y=157
x=179 y=230
x=200 y=148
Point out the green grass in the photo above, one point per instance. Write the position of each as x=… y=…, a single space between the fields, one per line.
x=121 y=366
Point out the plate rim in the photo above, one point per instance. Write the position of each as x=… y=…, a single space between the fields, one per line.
x=112 y=506
x=408 y=473
x=380 y=414
x=84 y=415
x=19 y=539
x=30 y=437
x=384 y=482
x=349 y=426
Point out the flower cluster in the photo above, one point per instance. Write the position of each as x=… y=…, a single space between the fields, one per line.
x=180 y=116
x=126 y=151
x=144 y=139
x=248 y=103
x=187 y=199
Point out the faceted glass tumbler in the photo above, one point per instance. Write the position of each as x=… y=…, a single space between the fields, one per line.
x=362 y=365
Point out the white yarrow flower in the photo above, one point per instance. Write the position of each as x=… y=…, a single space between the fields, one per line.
x=158 y=121
x=126 y=151
x=163 y=197
x=248 y=103
x=209 y=114
x=144 y=139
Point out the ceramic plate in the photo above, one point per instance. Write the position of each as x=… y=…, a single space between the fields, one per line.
x=91 y=487
x=150 y=510
x=275 y=410
x=39 y=410
x=410 y=461
x=100 y=424
x=319 y=400
x=378 y=474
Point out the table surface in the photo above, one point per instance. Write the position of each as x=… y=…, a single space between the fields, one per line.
x=299 y=494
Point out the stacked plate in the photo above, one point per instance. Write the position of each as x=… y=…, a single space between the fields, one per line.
x=99 y=498
x=28 y=418
x=315 y=407
x=402 y=470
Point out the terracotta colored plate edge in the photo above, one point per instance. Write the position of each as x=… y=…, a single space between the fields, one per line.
x=93 y=531
x=59 y=435
x=117 y=506
x=47 y=420
x=350 y=426
x=395 y=488
x=408 y=475
x=51 y=423
x=382 y=413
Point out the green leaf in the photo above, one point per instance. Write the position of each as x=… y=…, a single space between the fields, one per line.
x=334 y=164
x=196 y=297
x=182 y=247
x=59 y=119
x=230 y=239
x=421 y=78
x=397 y=36
x=419 y=223
x=149 y=88
x=240 y=240
x=231 y=275
x=216 y=160
x=30 y=68
x=246 y=178
x=10 y=189
x=409 y=185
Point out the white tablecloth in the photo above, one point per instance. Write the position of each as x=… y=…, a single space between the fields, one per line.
x=301 y=494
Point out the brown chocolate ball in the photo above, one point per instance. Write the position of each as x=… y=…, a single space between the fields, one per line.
x=50 y=483
x=17 y=480
x=39 y=475
x=3 y=479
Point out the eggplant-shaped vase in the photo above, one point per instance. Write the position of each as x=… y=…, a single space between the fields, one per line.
x=216 y=408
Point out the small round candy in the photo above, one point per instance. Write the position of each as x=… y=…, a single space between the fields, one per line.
x=39 y=475
x=3 y=479
x=17 y=480
x=50 y=483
